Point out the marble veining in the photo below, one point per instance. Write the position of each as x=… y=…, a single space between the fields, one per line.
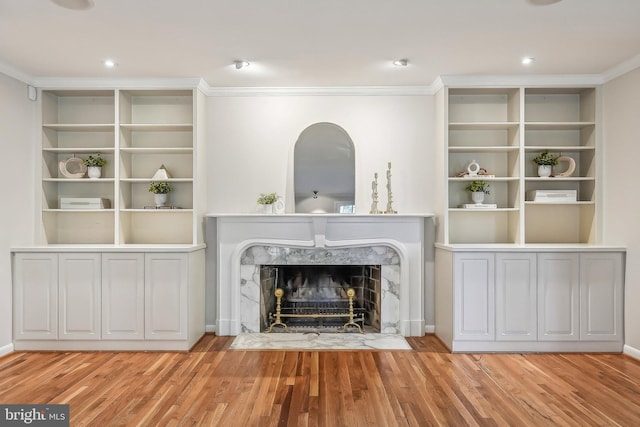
x=319 y=341
x=254 y=256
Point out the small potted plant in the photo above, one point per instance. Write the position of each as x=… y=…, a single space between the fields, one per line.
x=545 y=162
x=94 y=166
x=267 y=201
x=160 y=191
x=477 y=189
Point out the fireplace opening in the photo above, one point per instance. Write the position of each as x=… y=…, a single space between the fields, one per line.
x=318 y=298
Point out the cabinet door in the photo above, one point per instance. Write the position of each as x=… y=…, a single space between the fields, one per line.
x=601 y=296
x=79 y=296
x=123 y=296
x=35 y=296
x=516 y=317
x=558 y=296
x=166 y=279
x=474 y=288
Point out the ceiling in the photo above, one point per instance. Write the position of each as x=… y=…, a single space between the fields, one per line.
x=316 y=43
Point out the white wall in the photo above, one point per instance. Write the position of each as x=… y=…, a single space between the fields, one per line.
x=621 y=105
x=251 y=140
x=17 y=121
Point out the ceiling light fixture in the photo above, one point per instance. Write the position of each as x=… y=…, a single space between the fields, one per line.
x=401 y=62
x=109 y=63
x=240 y=64
x=528 y=60
x=75 y=4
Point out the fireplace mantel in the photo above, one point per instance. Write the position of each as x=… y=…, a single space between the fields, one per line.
x=408 y=235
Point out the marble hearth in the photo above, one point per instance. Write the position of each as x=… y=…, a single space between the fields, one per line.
x=238 y=245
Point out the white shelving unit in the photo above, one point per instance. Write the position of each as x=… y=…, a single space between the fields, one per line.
x=136 y=131
x=503 y=129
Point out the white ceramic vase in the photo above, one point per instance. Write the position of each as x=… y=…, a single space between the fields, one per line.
x=477 y=197
x=94 y=172
x=161 y=199
x=544 y=171
x=267 y=209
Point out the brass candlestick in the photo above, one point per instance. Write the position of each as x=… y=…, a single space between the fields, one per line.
x=390 y=194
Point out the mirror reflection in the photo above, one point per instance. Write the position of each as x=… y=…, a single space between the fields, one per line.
x=324 y=170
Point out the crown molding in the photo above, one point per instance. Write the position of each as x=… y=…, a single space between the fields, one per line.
x=13 y=72
x=542 y=80
x=321 y=91
x=621 y=69
x=200 y=84
x=98 y=83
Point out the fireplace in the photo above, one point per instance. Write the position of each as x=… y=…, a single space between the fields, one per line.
x=315 y=281
x=321 y=298
x=242 y=246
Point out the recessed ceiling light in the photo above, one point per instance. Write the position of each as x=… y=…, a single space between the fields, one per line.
x=75 y=4
x=240 y=64
x=109 y=63
x=401 y=62
x=527 y=60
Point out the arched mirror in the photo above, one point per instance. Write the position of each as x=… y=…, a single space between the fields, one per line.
x=324 y=170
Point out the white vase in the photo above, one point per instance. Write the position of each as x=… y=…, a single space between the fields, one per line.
x=94 y=172
x=477 y=197
x=267 y=209
x=161 y=199
x=544 y=171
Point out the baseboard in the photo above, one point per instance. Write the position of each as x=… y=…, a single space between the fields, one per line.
x=210 y=329
x=631 y=352
x=6 y=349
x=429 y=329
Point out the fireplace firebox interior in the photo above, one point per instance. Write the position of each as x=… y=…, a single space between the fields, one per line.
x=314 y=297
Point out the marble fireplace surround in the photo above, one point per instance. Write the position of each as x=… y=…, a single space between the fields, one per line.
x=400 y=239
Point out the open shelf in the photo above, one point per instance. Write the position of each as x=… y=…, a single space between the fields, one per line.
x=136 y=132
x=502 y=129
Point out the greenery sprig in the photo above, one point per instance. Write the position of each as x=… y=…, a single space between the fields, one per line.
x=477 y=186
x=159 y=187
x=267 y=199
x=96 y=161
x=546 y=158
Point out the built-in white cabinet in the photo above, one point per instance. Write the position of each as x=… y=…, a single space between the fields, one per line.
x=123 y=305
x=559 y=296
x=35 y=296
x=516 y=296
x=601 y=296
x=474 y=298
x=166 y=296
x=108 y=300
x=498 y=131
x=518 y=300
x=79 y=293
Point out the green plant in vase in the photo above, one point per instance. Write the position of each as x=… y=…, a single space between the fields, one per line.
x=266 y=201
x=478 y=189
x=94 y=166
x=545 y=161
x=161 y=191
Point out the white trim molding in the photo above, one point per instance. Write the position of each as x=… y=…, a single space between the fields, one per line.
x=631 y=352
x=6 y=349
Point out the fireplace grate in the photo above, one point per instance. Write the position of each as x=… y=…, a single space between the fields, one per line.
x=317 y=311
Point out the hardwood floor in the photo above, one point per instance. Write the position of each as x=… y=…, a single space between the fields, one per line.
x=212 y=385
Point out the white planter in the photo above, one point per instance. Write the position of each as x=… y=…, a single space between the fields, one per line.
x=477 y=197
x=544 y=171
x=161 y=199
x=267 y=209
x=94 y=172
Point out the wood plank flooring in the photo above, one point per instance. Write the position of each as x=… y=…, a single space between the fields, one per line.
x=212 y=385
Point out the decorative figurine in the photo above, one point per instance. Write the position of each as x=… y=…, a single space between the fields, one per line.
x=374 y=195
x=390 y=195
